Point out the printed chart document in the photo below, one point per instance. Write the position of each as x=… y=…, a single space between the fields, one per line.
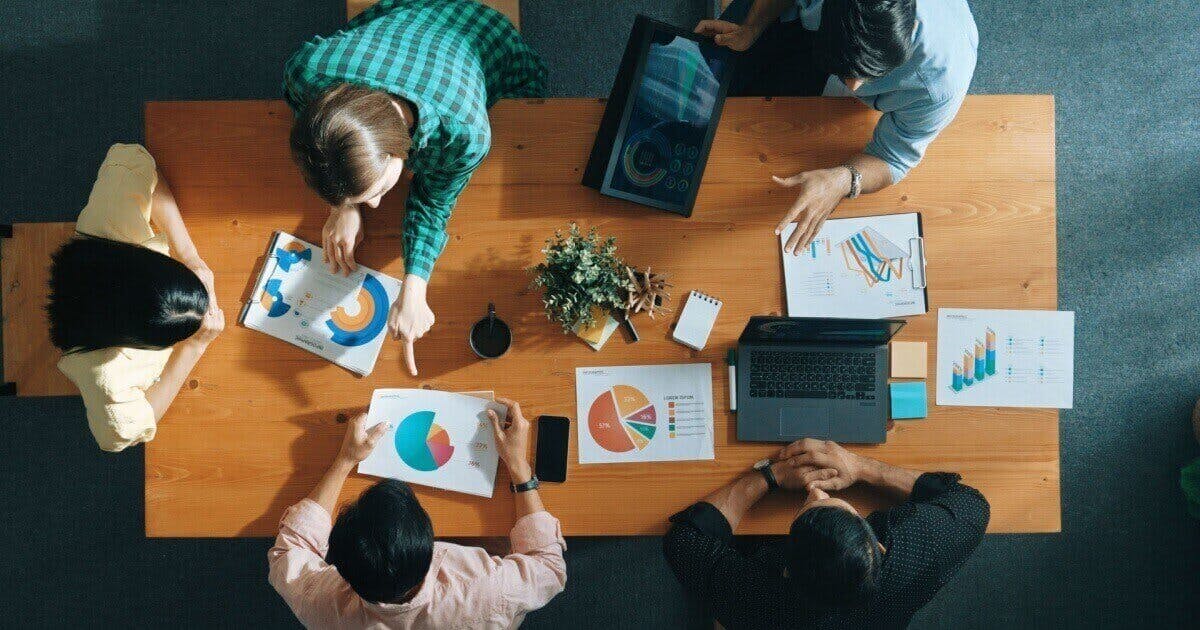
x=865 y=267
x=1002 y=358
x=650 y=413
x=297 y=299
x=437 y=439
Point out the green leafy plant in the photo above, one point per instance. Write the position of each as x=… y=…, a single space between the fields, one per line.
x=581 y=272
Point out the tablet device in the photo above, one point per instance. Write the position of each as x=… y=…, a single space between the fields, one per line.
x=660 y=119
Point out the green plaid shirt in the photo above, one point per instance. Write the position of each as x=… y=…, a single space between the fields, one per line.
x=452 y=59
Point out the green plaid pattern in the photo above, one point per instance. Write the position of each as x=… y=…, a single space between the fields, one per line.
x=453 y=59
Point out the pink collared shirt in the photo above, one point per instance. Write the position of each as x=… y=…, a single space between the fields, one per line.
x=465 y=587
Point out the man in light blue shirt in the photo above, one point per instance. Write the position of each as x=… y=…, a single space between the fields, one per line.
x=910 y=59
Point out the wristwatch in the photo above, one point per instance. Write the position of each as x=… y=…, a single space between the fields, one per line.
x=855 y=181
x=532 y=484
x=764 y=468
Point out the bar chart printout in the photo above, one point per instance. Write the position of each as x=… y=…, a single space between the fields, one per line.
x=1005 y=358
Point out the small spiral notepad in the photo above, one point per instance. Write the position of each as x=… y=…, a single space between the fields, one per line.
x=697 y=319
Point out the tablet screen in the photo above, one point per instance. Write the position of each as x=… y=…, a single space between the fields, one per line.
x=664 y=146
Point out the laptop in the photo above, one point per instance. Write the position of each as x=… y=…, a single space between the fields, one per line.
x=801 y=377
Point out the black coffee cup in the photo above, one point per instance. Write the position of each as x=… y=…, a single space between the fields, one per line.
x=490 y=337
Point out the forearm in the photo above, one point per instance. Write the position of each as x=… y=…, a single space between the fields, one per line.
x=164 y=212
x=765 y=12
x=893 y=479
x=183 y=359
x=329 y=488
x=735 y=499
x=526 y=503
x=875 y=173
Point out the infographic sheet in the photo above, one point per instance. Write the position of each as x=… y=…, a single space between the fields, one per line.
x=1005 y=358
x=340 y=318
x=437 y=439
x=862 y=267
x=644 y=413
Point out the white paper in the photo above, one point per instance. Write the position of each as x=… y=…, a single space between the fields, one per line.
x=298 y=300
x=644 y=413
x=855 y=268
x=437 y=439
x=1017 y=358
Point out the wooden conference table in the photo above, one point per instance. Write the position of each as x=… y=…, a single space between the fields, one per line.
x=255 y=424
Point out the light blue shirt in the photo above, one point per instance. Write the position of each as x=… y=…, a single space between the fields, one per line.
x=921 y=97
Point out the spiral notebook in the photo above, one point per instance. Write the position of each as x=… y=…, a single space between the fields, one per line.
x=697 y=319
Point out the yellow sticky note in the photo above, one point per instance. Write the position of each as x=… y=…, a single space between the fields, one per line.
x=909 y=359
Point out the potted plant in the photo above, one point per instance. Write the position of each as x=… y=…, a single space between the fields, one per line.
x=582 y=279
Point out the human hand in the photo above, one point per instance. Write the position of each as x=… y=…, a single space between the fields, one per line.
x=200 y=268
x=359 y=441
x=820 y=193
x=822 y=455
x=737 y=37
x=512 y=440
x=410 y=317
x=211 y=325
x=793 y=475
x=341 y=234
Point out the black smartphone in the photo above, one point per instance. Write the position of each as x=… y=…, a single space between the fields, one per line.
x=553 y=434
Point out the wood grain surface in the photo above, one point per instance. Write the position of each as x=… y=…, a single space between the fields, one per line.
x=510 y=8
x=30 y=360
x=255 y=424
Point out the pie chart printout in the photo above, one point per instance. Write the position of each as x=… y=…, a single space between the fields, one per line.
x=421 y=443
x=622 y=419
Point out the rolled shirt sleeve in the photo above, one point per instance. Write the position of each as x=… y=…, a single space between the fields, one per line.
x=297 y=560
x=118 y=207
x=112 y=383
x=536 y=571
x=902 y=135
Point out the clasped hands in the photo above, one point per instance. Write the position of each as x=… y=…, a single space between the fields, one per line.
x=410 y=316
x=808 y=465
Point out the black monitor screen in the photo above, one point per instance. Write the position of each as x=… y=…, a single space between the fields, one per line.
x=800 y=329
x=666 y=138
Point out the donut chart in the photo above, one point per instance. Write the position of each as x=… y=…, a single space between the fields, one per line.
x=645 y=156
x=291 y=254
x=355 y=329
x=272 y=299
x=622 y=419
x=421 y=443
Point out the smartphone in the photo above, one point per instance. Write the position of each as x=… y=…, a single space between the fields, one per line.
x=553 y=434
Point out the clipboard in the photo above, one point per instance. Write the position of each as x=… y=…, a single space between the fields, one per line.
x=871 y=267
x=296 y=299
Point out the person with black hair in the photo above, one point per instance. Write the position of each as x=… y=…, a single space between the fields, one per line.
x=835 y=569
x=378 y=565
x=130 y=319
x=912 y=60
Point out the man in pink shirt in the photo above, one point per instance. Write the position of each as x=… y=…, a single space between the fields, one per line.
x=378 y=566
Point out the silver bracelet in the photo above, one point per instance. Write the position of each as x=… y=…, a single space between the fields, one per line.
x=855 y=182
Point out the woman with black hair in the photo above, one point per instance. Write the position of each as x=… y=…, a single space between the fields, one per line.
x=131 y=320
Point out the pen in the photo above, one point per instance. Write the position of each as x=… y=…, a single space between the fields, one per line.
x=731 y=359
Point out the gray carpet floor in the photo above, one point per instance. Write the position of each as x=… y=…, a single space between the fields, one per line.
x=1124 y=75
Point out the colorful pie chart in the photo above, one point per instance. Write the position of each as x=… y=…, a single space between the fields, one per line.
x=622 y=419
x=421 y=443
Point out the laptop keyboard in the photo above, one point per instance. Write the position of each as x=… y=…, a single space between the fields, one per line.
x=829 y=375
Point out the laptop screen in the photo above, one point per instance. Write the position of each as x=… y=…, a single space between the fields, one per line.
x=660 y=153
x=816 y=330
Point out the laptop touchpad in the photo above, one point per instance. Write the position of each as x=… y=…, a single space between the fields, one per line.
x=805 y=420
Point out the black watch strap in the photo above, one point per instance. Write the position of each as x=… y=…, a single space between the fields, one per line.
x=769 y=475
x=532 y=484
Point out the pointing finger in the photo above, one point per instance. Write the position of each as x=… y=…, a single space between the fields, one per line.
x=410 y=357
